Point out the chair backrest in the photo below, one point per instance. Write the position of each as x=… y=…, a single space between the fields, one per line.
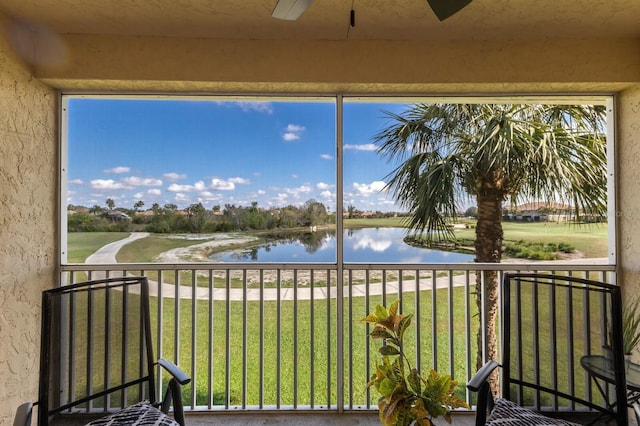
x=96 y=354
x=550 y=322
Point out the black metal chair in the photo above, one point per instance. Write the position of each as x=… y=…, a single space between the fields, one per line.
x=96 y=358
x=549 y=324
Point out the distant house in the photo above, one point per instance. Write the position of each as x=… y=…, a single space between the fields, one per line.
x=117 y=215
x=540 y=212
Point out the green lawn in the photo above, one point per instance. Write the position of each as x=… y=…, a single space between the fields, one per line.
x=296 y=342
x=81 y=244
x=309 y=362
x=147 y=249
x=590 y=239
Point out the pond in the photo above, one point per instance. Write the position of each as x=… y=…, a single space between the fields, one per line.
x=366 y=245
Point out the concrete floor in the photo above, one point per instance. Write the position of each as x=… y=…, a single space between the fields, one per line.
x=323 y=419
x=306 y=419
x=317 y=418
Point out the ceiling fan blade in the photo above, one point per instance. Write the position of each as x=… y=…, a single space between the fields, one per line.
x=290 y=9
x=445 y=8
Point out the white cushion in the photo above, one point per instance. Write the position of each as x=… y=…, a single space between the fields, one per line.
x=141 y=414
x=506 y=413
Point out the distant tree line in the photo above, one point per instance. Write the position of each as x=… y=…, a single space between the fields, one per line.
x=352 y=212
x=195 y=218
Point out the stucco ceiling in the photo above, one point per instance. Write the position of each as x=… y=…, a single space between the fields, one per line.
x=329 y=19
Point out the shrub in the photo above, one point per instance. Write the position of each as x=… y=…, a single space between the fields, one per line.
x=406 y=396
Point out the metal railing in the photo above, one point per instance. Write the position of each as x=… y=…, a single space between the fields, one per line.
x=265 y=336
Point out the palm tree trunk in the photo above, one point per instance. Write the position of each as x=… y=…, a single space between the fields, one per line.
x=488 y=247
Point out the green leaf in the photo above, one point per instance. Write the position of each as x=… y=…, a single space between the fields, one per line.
x=393 y=309
x=381 y=312
x=438 y=386
x=380 y=333
x=404 y=323
x=388 y=350
x=386 y=387
x=389 y=408
x=398 y=368
x=371 y=318
x=404 y=418
x=415 y=381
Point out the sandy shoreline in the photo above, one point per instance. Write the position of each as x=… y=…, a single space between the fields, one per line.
x=200 y=252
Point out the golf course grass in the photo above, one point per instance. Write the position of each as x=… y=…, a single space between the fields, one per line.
x=227 y=345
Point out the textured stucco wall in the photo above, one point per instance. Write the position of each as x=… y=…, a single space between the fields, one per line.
x=103 y=62
x=628 y=211
x=27 y=224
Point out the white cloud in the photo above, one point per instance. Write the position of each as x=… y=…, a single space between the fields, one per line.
x=240 y=180
x=154 y=192
x=367 y=189
x=222 y=185
x=262 y=192
x=174 y=176
x=322 y=185
x=209 y=196
x=327 y=195
x=108 y=184
x=174 y=187
x=295 y=176
x=118 y=170
x=326 y=156
x=200 y=186
x=362 y=147
x=138 y=181
x=182 y=198
x=76 y=182
x=303 y=189
x=266 y=107
x=293 y=132
x=290 y=137
x=138 y=195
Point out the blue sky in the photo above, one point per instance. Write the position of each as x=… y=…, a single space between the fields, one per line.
x=223 y=152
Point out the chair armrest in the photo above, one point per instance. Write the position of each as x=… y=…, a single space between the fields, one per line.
x=23 y=415
x=173 y=393
x=482 y=376
x=636 y=410
x=180 y=376
x=480 y=383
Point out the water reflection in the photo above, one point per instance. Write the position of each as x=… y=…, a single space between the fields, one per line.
x=367 y=245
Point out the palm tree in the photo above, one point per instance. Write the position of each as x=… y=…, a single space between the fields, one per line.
x=494 y=153
x=110 y=203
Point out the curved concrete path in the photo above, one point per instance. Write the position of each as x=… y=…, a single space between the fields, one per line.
x=107 y=254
